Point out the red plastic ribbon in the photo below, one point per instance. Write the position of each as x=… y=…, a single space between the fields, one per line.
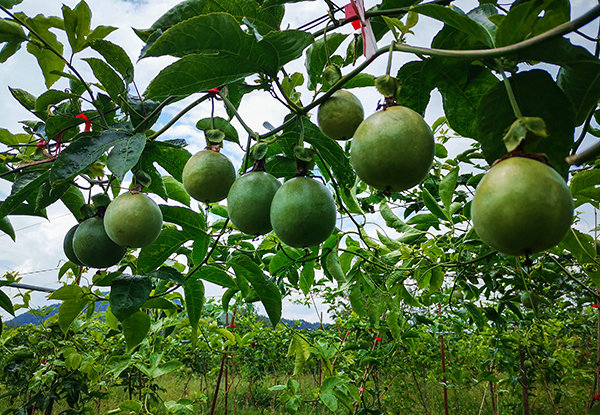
x=88 y=125
x=351 y=13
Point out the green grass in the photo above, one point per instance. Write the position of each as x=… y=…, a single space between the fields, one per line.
x=402 y=398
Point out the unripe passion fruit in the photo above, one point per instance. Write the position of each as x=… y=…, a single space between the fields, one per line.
x=208 y=176
x=68 y=246
x=522 y=206
x=303 y=212
x=249 y=202
x=340 y=115
x=93 y=247
x=133 y=219
x=393 y=149
x=529 y=299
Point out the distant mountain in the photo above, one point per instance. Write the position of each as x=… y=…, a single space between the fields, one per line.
x=35 y=317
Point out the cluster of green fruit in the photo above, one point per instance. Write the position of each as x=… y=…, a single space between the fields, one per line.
x=132 y=220
x=301 y=211
x=522 y=206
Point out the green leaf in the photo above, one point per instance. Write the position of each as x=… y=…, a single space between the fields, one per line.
x=194 y=300
x=112 y=83
x=193 y=223
x=77 y=24
x=332 y=153
x=268 y=292
x=24 y=98
x=447 y=187
x=583 y=249
x=334 y=268
x=265 y=20
x=361 y=80
x=51 y=98
x=583 y=188
x=56 y=124
x=170 y=157
x=73 y=199
x=518 y=23
x=219 y=124
x=125 y=154
x=200 y=248
x=160 y=303
x=13 y=139
x=127 y=294
x=115 y=56
x=167 y=243
x=6 y=304
x=12 y=33
x=216 y=276
x=538 y=96
x=135 y=329
x=47 y=60
x=7 y=228
x=482 y=15
x=329 y=400
x=69 y=310
x=475 y=313
x=520 y=129
x=357 y=301
x=84 y=151
x=10 y=3
x=432 y=205
x=176 y=191
x=417 y=80
x=299 y=349
x=168 y=274
x=307 y=277
x=316 y=57
x=461 y=101
x=21 y=190
x=453 y=16
x=394 y=222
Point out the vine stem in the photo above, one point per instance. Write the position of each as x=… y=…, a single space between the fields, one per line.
x=178 y=116
x=232 y=108
x=389 y=64
x=57 y=53
x=509 y=91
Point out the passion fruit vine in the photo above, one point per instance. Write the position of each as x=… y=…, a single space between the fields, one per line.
x=340 y=115
x=133 y=219
x=303 y=212
x=208 y=176
x=93 y=247
x=393 y=149
x=522 y=206
x=249 y=202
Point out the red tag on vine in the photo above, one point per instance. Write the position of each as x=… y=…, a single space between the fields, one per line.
x=595 y=305
x=88 y=125
x=369 y=42
x=351 y=13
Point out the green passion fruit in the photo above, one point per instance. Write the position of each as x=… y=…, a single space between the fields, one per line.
x=303 y=212
x=133 y=219
x=93 y=247
x=208 y=176
x=340 y=115
x=393 y=149
x=249 y=202
x=68 y=246
x=529 y=299
x=522 y=206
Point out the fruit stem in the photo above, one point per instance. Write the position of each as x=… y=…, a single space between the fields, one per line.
x=389 y=64
x=509 y=91
x=325 y=44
